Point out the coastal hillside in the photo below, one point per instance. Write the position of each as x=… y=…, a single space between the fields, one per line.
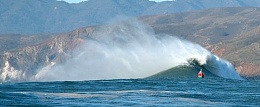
x=231 y=33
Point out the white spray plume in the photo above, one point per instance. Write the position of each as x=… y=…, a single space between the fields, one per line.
x=123 y=51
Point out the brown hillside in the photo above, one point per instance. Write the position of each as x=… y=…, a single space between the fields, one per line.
x=207 y=27
x=16 y=41
x=231 y=33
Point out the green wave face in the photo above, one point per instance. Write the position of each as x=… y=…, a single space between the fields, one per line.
x=190 y=70
x=185 y=71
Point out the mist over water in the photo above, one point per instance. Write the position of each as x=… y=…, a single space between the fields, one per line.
x=132 y=50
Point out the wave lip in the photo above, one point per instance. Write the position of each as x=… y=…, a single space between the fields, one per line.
x=221 y=67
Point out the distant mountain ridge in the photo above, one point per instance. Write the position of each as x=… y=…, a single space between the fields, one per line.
x=51 y=16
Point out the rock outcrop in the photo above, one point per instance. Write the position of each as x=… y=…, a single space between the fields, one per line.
x=23 y=63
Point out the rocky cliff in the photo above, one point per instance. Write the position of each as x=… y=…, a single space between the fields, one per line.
x=23 y=63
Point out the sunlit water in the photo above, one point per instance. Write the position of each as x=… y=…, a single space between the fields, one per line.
x=210 y=91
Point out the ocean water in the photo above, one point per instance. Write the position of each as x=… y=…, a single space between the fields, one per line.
x=185 y=91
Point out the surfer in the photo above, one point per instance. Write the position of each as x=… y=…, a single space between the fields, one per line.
x=201 y=74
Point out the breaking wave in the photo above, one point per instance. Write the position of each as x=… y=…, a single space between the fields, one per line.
x=212 y=68
x=132 y=50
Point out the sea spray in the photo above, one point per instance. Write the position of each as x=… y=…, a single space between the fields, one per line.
x=132 y=50
x=221 y=67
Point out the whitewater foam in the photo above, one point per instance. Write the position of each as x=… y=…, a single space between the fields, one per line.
x=132 y=50
x=221 y=67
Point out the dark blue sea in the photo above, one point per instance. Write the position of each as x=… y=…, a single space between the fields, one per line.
x=211 y=91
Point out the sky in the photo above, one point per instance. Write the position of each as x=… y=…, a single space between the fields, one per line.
x=77 y=1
